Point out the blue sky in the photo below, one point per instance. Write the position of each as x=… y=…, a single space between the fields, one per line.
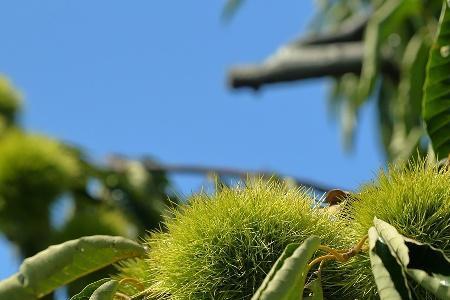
x=149 y=78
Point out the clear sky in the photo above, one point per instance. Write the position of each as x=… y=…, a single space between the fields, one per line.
x=149 y=78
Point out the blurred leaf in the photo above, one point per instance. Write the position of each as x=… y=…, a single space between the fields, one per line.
x=349 y=120
x=230 y=8
x=383 y=23
x=385 y=101
x=86 y=293
x=286 y=279
x=389 y=275
x=61 y=264
x=414 y=61
x=406 y=109
x=436 y=101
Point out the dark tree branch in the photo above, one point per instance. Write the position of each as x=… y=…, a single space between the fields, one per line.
x=296 y=63
x=332 y=53
x=119 y=163
x=293 y=63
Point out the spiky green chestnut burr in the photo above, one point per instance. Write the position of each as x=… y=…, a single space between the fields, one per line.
x=222 y=246
x=33 y=167
x=34 y=170
x=415 y=199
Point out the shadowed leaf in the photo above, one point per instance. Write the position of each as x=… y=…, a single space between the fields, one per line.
x=106 y=291
x=286 y=279
x=428 y=266
x=86 y=293
x=315 y=287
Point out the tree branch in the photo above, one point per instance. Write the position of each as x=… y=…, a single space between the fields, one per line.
x=292 y=63
x=295 y=63
x=119 y=163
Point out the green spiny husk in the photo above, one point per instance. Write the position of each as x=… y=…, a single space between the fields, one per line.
x=221 y=246
x=415 y=199
x=34 y=167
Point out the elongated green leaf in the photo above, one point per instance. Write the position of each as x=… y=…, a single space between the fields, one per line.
x=61 y=264
x=86 y=293
x=286 y=279
x=407 y=107
x=106 y=291
x=425 y=264
x=385 y=20
x=436 y=101
x=389 y=275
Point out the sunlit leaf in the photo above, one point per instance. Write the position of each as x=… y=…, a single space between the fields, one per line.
x=383 y=23
x=61 y=264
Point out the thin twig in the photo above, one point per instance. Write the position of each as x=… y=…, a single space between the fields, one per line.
x=119 y=163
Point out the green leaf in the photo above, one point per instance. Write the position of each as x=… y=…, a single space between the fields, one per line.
x=383 y=23
x=61 y=264
x=230 y=9
x=406 y=109
x=423 y=263
x=106 y=291
x=86 y=293
x=286 y=279
x=389 y=275
x=436 y=101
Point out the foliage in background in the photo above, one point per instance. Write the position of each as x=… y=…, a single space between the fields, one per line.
x=398 y=31
x=380 y=49
x=34 y=171
x=10 y=103
x=40 y=175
